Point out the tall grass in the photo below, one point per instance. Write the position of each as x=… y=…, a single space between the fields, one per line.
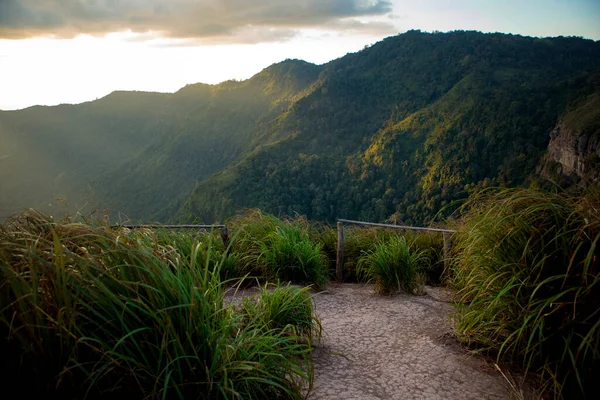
x=271 y=248
x=359 y=240
x=431 y=245
x=252 y=228
x=290 y=254
x=210 y=247
x=392 y=266
x=284 y=307
x=87 y=311
x=528 y=279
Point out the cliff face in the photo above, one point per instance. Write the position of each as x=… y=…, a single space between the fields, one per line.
x=574 y=149
x=572 y=154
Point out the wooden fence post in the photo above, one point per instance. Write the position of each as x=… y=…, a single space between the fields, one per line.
x=339 y=262
x=447 y=245
x=225 y=235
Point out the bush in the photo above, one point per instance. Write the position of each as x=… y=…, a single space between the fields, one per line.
x=326 y=237
x=270 y=248
x=210 y=252
x=284 y=307
x=88 y=310
x=431 y=244
x=528 y=279
x=291 y=256
x=251 y=230
x=392 y=266
x=359 y=240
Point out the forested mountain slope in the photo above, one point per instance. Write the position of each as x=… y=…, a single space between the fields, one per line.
x=211 y=127
x=133 y=153
x=50 y=152
x=405 y=127
x=397 y=131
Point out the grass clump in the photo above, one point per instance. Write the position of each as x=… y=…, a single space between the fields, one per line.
x=252 y=228
x=431 y=245
x=284 y=307
x=290 y=254
x=528 y=279
x=357 y=241
x=271 y=249
x=393 y=266
x=90 y=311
x=208 y=247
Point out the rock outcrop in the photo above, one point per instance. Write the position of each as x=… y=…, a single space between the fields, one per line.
x=574 y=149
x=571 y=153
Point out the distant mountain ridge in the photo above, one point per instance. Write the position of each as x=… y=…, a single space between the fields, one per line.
x=397 y=131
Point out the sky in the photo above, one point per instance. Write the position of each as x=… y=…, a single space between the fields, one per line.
x=71 y=51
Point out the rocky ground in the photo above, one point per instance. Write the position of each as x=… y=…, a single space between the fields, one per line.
x=395 y=347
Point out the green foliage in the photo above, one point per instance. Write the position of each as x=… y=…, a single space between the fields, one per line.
x=284 y=307
x=403 y=128
x=326 y=236
x=527 y=274
x=252 y=228
x=357 y=242
x=93 y=311
x=431 y=245
x=290 y=254
x=393 y=266
x=208 y=247
x=270 y=248
x=361 y=240
x=408 y=126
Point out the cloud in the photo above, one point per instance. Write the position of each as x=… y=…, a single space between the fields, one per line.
x=243 y=36
x=366 y=27
x=233 y=21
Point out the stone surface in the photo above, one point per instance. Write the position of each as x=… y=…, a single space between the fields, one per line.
x=394 y=347
x=570 y=150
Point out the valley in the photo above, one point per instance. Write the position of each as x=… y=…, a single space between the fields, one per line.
x=403 y=130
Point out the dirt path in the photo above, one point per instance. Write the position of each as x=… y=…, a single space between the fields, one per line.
x=379 y=347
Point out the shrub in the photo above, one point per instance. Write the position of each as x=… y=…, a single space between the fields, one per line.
x=290 y=254
x=357 y=241
x=284 y=307
x=87 y=310
x=210 y=249
x=392 y=266
x=326 y=237
x=251 y=230
x=431 y=244
x=528 y=279
x=270 y=248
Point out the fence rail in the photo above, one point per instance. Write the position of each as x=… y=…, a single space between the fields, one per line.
x=170 y=226
x=339 y=267
x=339 y=263
x=416 y=228
x=222 y=228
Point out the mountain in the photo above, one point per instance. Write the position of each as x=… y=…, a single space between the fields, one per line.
x=209 y=127
x=134 y=153
x=397 y=131
x=405 y=128
x=50 y=152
